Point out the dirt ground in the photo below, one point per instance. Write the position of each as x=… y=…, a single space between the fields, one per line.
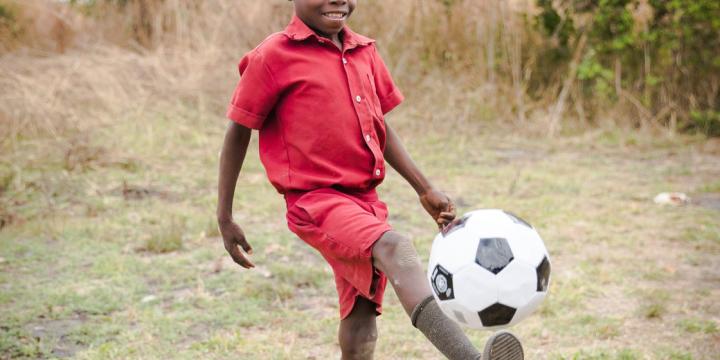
x=118 y=256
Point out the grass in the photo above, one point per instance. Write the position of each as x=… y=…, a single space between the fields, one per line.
x=168 y=237
x=629 y=276
x=695 y=325
x=654 y=304
x=109 y=248
x=602 y=354
x=711 y=187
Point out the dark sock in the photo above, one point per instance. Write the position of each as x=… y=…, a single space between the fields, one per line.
x=442 y=332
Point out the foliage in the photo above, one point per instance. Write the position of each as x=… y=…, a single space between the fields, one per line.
x=664 y=53
x=9 y=27
x=706 y=122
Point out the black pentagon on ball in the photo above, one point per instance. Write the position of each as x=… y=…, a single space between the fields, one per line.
x=441 y=281
x=496 y=314
x=517 y=219
x=543 y=275
x=494 y=254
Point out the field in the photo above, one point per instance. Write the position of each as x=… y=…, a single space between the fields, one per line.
x=109 y=144
x=125 y=259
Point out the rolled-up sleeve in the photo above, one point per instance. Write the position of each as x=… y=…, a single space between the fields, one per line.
x=388 y=94
x=256 y=93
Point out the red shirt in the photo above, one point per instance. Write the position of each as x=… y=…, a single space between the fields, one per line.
x=319 y=109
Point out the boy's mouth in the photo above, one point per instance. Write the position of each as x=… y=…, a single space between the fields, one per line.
x=335 y=15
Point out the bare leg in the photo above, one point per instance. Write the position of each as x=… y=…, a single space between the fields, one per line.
x=396 y=257
x=358 y=331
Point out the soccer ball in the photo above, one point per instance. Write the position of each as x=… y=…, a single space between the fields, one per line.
x=488 y=270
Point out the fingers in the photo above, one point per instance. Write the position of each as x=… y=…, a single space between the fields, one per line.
x=238 y=257
x=447 y=205
x=234 y=239
x=236 y=254
x=450 y=207
x=449 y=215
x=245 y=245
x=445 y=218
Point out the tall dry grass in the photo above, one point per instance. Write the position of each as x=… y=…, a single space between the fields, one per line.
x=458 y=63
x=462 y=63
x=188 y=57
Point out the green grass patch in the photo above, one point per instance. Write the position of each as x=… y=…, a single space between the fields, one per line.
x=602 y=354
x=167 y=237
x=654 y=303
x=711 y=187
x=695 y=325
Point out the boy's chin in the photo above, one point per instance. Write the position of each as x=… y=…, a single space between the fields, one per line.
x=333 y=28
x=329 y=32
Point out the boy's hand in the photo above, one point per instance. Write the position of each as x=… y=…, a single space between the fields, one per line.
x=234 y=237
x=439 y=206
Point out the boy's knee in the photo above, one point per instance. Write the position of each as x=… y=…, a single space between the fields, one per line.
x=393 y=250
x=359 y=350
x=361 y=341
x=358 y=338
x=360 y=345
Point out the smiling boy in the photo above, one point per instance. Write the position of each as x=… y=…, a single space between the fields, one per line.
x=318 y=92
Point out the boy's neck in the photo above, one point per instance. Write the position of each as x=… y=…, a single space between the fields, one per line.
x=336 y=39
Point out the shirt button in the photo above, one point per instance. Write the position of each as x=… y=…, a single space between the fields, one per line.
x=377 y=172
x=344 y=61
x=358 y=98
x=367 y=137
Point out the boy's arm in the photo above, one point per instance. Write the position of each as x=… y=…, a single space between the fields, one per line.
x=437 y=204
x=237 y=138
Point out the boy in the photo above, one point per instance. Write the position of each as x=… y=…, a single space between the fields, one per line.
x=317 y=92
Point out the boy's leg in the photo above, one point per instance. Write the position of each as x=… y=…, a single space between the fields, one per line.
x=358 y=331
x=396 y=257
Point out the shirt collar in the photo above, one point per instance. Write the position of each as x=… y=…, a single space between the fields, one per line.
x=297 y=30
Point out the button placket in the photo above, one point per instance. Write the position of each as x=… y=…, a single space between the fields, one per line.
x=364 y=127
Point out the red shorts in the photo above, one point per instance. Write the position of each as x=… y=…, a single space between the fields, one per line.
x=343 y=227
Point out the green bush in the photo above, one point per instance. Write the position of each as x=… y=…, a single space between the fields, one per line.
x=706 y=122
x=665 y=54
x=10 y=29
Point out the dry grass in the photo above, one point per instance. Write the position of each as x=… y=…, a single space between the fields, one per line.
x=103 y=141
x=467 y=64
x=160 y=53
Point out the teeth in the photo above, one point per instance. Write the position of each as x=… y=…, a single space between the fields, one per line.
x=335 y=15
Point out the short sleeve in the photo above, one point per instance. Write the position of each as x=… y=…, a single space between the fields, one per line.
x=389 y=95
x=256 y=92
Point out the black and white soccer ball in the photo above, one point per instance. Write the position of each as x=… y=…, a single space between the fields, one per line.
x=489 y=269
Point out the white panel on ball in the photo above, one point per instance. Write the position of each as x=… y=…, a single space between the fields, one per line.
x=475 y=287
x=456 y=250
x=526 y=245
x=528 y=309
x=488 y=222
x=516 y=284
